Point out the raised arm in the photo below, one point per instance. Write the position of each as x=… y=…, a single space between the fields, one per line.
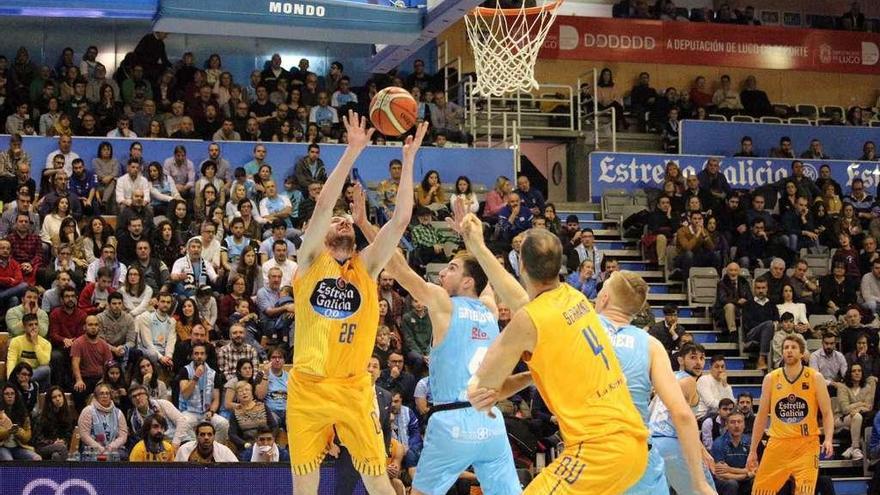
x=377 y=254
x=313 y=239
x=431 y=295
x=511 y=292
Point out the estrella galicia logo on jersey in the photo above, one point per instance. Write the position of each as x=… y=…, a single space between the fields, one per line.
x=792 y=409
x=335 y=298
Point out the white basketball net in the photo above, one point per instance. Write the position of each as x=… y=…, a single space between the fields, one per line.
x=506 y=43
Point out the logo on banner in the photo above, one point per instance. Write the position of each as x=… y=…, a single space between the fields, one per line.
x=870 y=53
x=825 y=53
x=810 y=171
x=54 y=488
x=298 y=9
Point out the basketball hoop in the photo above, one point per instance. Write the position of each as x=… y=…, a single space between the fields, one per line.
x=506 y=43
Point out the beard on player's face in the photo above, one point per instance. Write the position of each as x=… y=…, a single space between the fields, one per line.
x=340 y=240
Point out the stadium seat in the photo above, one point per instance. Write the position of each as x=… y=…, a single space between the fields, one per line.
x=4 y=342
x=874 y=123
x=640 y=198
x=800 y=121
x=760 y=271
x=716 y=117
x=702 y=286
x=817 y=263
x=828 y=110
x=742 y=118
x=3 y=369
x=807 y=110
x=613 y=201
x=771 y=120
x=813 y=345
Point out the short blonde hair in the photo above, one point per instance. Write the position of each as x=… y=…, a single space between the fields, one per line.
x=627 y=291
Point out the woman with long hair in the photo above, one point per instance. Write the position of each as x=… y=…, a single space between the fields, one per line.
x=15 y=428
x=284 y=134
x=673 y=174
x=114 y=376
x=188 y=316
x=430 y=194
x=51 y=231
x=833 y=203
x=207 y=200
x=607 y=95
x=263 y=175
x=54 y=427
x=106 y=170
x=136 y=294
x=496 y=199
x=48 y=118
x=856 y=405
x=22 y=378
x=848 y=223
x=864 y=355
x=464 y=193
x=248 y=266
x=101 y=425
x=798 y=310
x=96 y=234
x=213 y=69
x=107 y=110
x=166 y=243
x=143 y=373
x=181 y=223
x=69 y=235
x=554 y=223
x=155 y=130
x=209 y=176
x=223 y=92
x=386 y=319
x=162 y=189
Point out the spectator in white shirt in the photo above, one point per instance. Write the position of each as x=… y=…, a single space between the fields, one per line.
x=713 y=387
x=870 y=288
x=64 y=144
x=280 y=260
x=830 y=362
x=130 y=182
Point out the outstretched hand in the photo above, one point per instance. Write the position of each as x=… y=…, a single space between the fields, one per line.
x=458 y=213
x=471 y=230
x=356 y=126
x=359 y=205
x=412 y=143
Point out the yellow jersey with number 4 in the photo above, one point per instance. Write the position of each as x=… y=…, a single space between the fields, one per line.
x=794 y=407
x=337 y=314
x=576 y=371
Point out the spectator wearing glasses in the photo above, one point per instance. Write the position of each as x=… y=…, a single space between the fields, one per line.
x=102 y=425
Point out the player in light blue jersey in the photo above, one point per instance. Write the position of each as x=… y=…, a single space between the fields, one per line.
x=464 y=320
x=646 y=365
x=666 y=433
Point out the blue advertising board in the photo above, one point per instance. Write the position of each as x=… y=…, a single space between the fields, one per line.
x=632 y=171
x=372 y=164
x=97 y=478
x=703 y=137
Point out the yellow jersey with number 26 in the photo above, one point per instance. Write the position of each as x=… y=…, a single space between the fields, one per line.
x=576 y=371
x=337 y=314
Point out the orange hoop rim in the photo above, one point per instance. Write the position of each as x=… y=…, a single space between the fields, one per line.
x=486 y=11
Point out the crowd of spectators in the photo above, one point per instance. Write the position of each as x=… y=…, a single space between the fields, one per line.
x=148 y=96
x=666 y=10
x=660 y=111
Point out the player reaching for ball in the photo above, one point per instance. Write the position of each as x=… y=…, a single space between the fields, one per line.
x=792 y=396
x=337 y=310
x=464 y=319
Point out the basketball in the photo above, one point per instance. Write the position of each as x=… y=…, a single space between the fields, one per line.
x=393 y=111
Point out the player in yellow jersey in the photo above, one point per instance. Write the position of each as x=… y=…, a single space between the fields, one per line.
x=572 y=363
x=792 y=396
x=337 y=314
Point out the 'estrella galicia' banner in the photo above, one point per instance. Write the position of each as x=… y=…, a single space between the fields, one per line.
x=632 y=171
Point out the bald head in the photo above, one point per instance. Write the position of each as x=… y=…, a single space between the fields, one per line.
x=541 y=255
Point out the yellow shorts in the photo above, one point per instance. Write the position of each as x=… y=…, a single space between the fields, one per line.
x=319 y=408
x=786 y=458
x=606 y=467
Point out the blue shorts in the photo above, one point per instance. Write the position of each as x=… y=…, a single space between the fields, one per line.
x=458 y=439
x=653 y=482
x=676 y=469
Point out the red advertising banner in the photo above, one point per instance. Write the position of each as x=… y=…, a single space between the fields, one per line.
x=760 y=47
